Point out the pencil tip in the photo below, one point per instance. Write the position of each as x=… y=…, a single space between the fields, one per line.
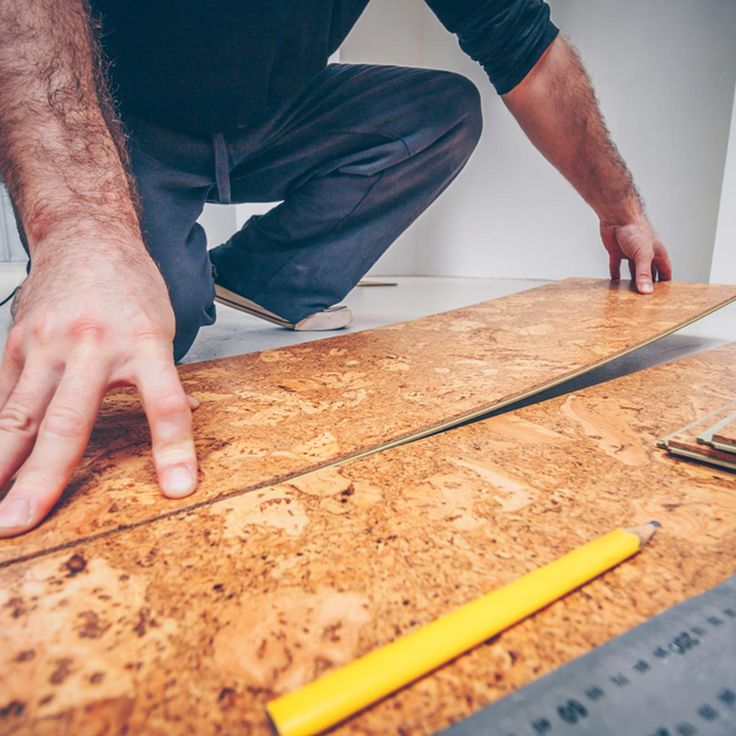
x=645 y=532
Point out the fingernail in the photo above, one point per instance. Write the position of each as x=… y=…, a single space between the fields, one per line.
x=179 y=481
x=645 y=288
x=15 y=514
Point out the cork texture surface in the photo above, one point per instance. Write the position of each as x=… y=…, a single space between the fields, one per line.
x=268 y=416
x=190 y=624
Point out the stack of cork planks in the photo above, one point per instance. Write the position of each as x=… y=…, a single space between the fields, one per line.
x=271 y=416
x=710 y=439
x=192 y=622
x=724 y=436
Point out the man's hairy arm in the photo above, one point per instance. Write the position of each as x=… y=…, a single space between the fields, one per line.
x=63 y=151
x=94 y=312
x=557 y=108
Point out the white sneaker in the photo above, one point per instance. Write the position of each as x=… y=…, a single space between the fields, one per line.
x=333 y=318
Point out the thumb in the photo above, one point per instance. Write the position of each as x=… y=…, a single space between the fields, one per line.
x=643 y=266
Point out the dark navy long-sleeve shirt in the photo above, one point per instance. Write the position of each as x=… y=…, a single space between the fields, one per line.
x=215 y=65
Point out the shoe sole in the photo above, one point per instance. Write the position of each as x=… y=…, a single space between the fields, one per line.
x=333 y=318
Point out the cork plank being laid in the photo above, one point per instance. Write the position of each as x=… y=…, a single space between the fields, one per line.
x=192 y=623
x=271 y=415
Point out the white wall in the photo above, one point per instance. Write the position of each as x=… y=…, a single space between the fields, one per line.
x=664 y=71
x=723 y=268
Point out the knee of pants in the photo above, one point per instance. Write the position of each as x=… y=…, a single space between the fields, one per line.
x=190 y=315
x=461 y=100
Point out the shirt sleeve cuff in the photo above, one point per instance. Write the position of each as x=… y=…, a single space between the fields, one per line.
x=507 y=83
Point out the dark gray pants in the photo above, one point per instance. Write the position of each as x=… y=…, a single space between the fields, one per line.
x=356 y=157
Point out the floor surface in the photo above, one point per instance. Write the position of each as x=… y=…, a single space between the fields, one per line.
x=235 y=333
x=192 y=623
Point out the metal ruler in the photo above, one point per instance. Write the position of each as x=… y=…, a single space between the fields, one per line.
x=675 y=675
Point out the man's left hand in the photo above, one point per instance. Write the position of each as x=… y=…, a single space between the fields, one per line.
x=639 y=244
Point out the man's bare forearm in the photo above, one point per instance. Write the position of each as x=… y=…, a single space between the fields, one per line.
x=62 y=153
x=556 y=106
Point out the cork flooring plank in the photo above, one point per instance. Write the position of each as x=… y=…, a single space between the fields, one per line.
x=718 y=435
x=191 y=624
x=725 y=437
x=688 y=447
x=695 y=441
x=715 y=422
x=268 y=416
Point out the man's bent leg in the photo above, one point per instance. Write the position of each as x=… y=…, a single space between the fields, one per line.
x=356 y=159
x=172 y=175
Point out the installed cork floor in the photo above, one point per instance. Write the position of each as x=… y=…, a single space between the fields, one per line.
x=192 y=623
x=268 y=416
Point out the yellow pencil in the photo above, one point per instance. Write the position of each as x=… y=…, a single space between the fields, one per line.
x=344 y=691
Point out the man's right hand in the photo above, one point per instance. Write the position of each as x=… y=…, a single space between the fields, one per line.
x=91 y=316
